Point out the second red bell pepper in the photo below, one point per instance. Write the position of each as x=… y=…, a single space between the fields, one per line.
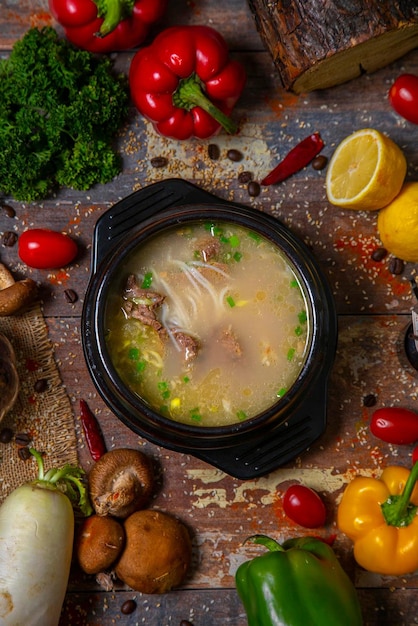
x=185 y=83
x=107 y=25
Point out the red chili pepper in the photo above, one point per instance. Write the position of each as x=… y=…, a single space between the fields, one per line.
x=92 y=432
x=300 y=156
x=107 y=25
x=185 y=83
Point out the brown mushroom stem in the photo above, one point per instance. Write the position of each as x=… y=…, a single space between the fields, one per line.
x=17 y=296
x=9 y=378
x=121 y=482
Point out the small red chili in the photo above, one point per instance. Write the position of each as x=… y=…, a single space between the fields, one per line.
x=304 y=506
x=299 y=157
x=92 y=432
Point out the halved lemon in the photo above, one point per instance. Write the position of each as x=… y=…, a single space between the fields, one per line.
x=366 y=171
x=397 y=224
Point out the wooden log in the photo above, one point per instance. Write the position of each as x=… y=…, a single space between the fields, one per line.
x=316 y=44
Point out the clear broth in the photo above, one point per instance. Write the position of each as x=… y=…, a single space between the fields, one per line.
x=239 y=300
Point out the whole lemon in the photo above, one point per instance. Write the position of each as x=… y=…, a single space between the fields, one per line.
x=397 y=224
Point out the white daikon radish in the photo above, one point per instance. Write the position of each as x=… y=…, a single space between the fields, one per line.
x=36 y=543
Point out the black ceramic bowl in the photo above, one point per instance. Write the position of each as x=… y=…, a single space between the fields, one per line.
x=249 y=448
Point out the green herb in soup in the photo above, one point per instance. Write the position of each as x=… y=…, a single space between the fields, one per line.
x=210 y=325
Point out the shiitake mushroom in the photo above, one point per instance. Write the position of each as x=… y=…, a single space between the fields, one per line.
x=9 y=378
x=99 y=543
x=157 y=552
x=121 y=482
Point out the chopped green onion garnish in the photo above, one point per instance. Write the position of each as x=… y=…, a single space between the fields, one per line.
x=186 y=379
x=298 y=331
x=146 y=283
x=195 y=415
x=133 y=354
x=302 y=317
x=291 y=354
x=254 y=236
x=140 y=366
x=234 y=241
x=241 y=415
x=237 y=256
x=230 y=301
x=281 y=392
x=164 y=389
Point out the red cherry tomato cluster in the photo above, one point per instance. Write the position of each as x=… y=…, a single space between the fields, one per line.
x=46 y=249
x=304 y=506
x=403 y=96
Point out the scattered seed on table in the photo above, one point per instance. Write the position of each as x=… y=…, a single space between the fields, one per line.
x=159 y=161
x=379 y=254
x=6 y=208
x=128 y=607
x=396 y=266
x=41 y=385
x=6 y=435
x=9 y=238
x=234 y=155
x=253 y=189
x=213 y=151
x=245 y=177
x=369 y=400
x=71 y=296
x=319 y=162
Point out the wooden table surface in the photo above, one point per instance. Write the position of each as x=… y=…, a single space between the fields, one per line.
x=373 y=308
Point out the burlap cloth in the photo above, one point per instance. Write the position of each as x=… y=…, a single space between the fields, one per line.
x=46 y=416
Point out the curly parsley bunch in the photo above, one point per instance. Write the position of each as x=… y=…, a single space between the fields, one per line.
x=60 y=110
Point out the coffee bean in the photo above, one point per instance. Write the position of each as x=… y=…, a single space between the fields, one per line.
x=9 y=238
x=379 y=254
x=41 y=385
x=185 y=622
x=6 y=435
x=254 y=189
x=245 y=177
x=6 y=208
x=234 y=155
x=159 y=161
x=23 y=439
x=319 y=162
x=70 y=295
x=369 y=400
x=213 y=152
x=396 y=266
x=128 y=607
x=24 y=453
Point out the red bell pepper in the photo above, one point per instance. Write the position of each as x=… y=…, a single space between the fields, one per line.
x=185 y=83
x=107 y=25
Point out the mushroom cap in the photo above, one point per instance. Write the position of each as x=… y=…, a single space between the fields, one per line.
x=157 y=553
x=99 y=543
x=9 y=378
x=121 y=482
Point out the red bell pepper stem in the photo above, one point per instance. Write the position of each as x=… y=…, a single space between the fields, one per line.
x=300 y=156
x=92 y=432
x=189 y=94
x=115 y=12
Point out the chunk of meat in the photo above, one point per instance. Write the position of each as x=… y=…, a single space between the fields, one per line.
x=141 y=304
x=230 y=344
x=188 y=344
x=208 y=249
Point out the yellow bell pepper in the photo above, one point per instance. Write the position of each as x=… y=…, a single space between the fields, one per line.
x=380 y=515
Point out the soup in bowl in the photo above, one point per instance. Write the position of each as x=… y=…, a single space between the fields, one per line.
x=209 y=328
x=208 y=324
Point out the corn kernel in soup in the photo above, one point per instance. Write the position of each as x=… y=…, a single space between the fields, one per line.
x=209 y=325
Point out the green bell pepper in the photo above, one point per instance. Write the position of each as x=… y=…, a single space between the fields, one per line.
x=299 y=583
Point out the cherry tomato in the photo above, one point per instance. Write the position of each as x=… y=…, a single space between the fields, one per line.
x=403 y=96
x=395 y=425
x=304 y=506
x=46 y=249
